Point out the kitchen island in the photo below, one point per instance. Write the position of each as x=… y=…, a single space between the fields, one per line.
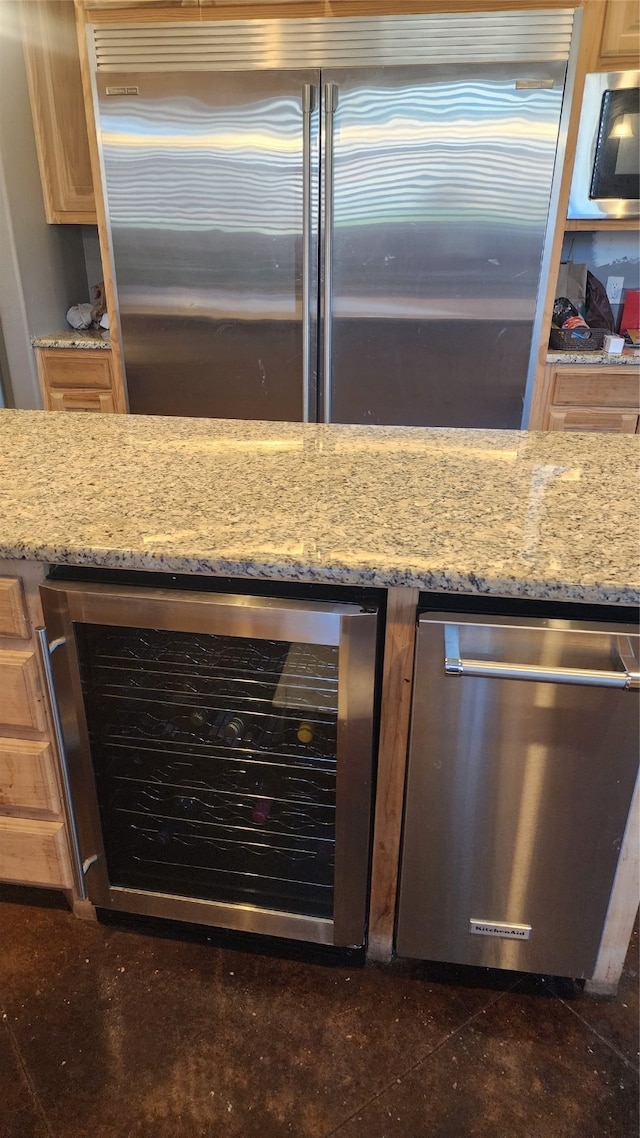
x=515 y=514
x=548 y=517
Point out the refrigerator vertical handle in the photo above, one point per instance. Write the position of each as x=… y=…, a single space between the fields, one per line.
x=308 y=100
x=330 y=104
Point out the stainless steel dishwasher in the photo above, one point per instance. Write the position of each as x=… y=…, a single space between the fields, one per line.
x=522 y=763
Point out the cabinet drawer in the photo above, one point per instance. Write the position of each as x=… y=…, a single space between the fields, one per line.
x=34 y=853
x=13 y=618
x=20 y=693
x=613 y=422
x=81 y=367
x=81 y=401
x=27 y=776
x=585 y=387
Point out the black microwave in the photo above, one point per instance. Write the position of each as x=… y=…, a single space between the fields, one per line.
x=606 y=172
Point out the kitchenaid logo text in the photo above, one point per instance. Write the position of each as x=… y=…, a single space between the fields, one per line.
x=481 y=928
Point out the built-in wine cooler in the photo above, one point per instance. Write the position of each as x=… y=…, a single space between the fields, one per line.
x=219 y=750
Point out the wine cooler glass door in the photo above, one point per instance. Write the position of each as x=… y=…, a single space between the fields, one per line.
x=220 y=751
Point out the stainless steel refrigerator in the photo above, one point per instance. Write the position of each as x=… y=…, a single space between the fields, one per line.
x=340 y=220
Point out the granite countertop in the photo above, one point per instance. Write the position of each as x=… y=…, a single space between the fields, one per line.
x=533 y=514
x=70 y=338
x=630 y=357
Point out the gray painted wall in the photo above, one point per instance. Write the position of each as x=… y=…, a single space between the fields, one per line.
x=43 y=267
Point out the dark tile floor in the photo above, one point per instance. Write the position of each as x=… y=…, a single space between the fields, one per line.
x=112 y=1033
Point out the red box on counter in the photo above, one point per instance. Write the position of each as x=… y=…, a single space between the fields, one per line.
x=631 y=311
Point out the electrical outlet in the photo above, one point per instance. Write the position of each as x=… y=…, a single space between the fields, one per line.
x=614 y=289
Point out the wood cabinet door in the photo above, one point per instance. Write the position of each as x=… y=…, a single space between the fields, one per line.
x=20 y=693
x=621 y=34
x=75 y=367
x=28 y=778
x=57 y=105
x=13 y=619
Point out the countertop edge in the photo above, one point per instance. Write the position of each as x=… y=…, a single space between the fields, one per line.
x=630 y=358
x=80 y=341
x=436 y=581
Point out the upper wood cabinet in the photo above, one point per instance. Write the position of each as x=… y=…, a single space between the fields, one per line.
x=55 y=88
x=620 y=43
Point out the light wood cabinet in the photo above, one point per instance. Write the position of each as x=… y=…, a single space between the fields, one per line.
x=620 y=43
x=599 y=19
x=76 y=367
x=34 y=835
x=13 y=621
x=588 y=419
x=588 y=386
x=142 y=5
x=97 y=401
x=55 y=89
x=77 y=379
x=21 y=699
x=34 y=853
x=588 y=398
x=28 y=779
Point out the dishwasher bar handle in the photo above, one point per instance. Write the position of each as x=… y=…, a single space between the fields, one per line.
x=454 y=665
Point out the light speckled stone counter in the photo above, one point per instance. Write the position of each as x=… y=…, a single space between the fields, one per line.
x=630 y=357
x=544 y=515
x=89 y=339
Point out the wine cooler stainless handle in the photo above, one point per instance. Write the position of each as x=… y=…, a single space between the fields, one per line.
x=307 y=108
x=454 y=665
x=330 y=104
x=46 y=650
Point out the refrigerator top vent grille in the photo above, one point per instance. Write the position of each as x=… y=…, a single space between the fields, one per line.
x=481 y=37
